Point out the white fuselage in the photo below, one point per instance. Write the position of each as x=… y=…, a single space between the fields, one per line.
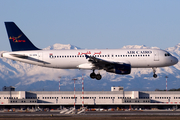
x=75 y=59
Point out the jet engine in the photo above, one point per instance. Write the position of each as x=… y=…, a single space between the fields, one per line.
x=120 y=69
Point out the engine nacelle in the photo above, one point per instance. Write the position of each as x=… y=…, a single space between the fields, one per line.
x=120 y=69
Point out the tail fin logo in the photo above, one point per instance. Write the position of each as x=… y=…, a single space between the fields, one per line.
x=16 y=39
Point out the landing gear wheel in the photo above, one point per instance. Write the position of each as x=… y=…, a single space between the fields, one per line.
x=155 y=75
x=154 y=71
x=98 y=77
x=93 y=75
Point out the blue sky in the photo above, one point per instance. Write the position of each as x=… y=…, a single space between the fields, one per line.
x=94 y=23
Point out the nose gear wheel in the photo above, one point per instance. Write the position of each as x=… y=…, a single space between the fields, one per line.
x=154 y=71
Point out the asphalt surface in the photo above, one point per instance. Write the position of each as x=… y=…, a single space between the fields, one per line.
x=133 y=113
x=89 y=113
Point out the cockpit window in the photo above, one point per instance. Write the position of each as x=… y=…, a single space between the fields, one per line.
x=168 y=54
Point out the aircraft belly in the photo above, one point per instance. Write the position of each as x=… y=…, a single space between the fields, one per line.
x=64 y=64
x=139 y=63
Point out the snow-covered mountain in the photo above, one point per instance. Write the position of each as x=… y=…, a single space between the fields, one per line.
x=61 y=47
x=30 y=77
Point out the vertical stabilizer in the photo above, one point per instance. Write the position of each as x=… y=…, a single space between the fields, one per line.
x=17 y=39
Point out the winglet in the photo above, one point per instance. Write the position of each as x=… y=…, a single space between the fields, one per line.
x=17 y=39
x=87 y=56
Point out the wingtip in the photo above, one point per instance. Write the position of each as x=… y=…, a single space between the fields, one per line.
x=87 y=56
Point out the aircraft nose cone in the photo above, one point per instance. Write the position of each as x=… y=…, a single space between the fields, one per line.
x=172 y=61
x=175 y=60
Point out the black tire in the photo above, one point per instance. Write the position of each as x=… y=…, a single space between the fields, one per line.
x=155 y=75
x=92 y=75
x=98 y=77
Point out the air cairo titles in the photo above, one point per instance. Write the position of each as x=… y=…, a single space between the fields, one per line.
x=139 y=52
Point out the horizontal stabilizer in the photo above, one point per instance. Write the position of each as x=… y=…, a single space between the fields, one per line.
x=29 y=58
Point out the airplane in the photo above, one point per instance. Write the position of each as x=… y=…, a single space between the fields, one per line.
x=118 y=61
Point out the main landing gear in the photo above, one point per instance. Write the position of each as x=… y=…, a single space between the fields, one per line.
x=154 y=71
x=94 y=75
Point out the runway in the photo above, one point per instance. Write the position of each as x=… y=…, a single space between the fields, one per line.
x=133 y=113
x=93 y=115
x=96 y=113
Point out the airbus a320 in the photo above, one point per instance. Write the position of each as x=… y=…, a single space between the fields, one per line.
x=118 y=61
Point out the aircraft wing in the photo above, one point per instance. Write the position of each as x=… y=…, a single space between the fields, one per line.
x=28 y=58
x=109 y=66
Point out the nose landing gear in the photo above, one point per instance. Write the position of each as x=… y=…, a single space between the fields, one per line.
x=94 y=75
x=154 y=71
